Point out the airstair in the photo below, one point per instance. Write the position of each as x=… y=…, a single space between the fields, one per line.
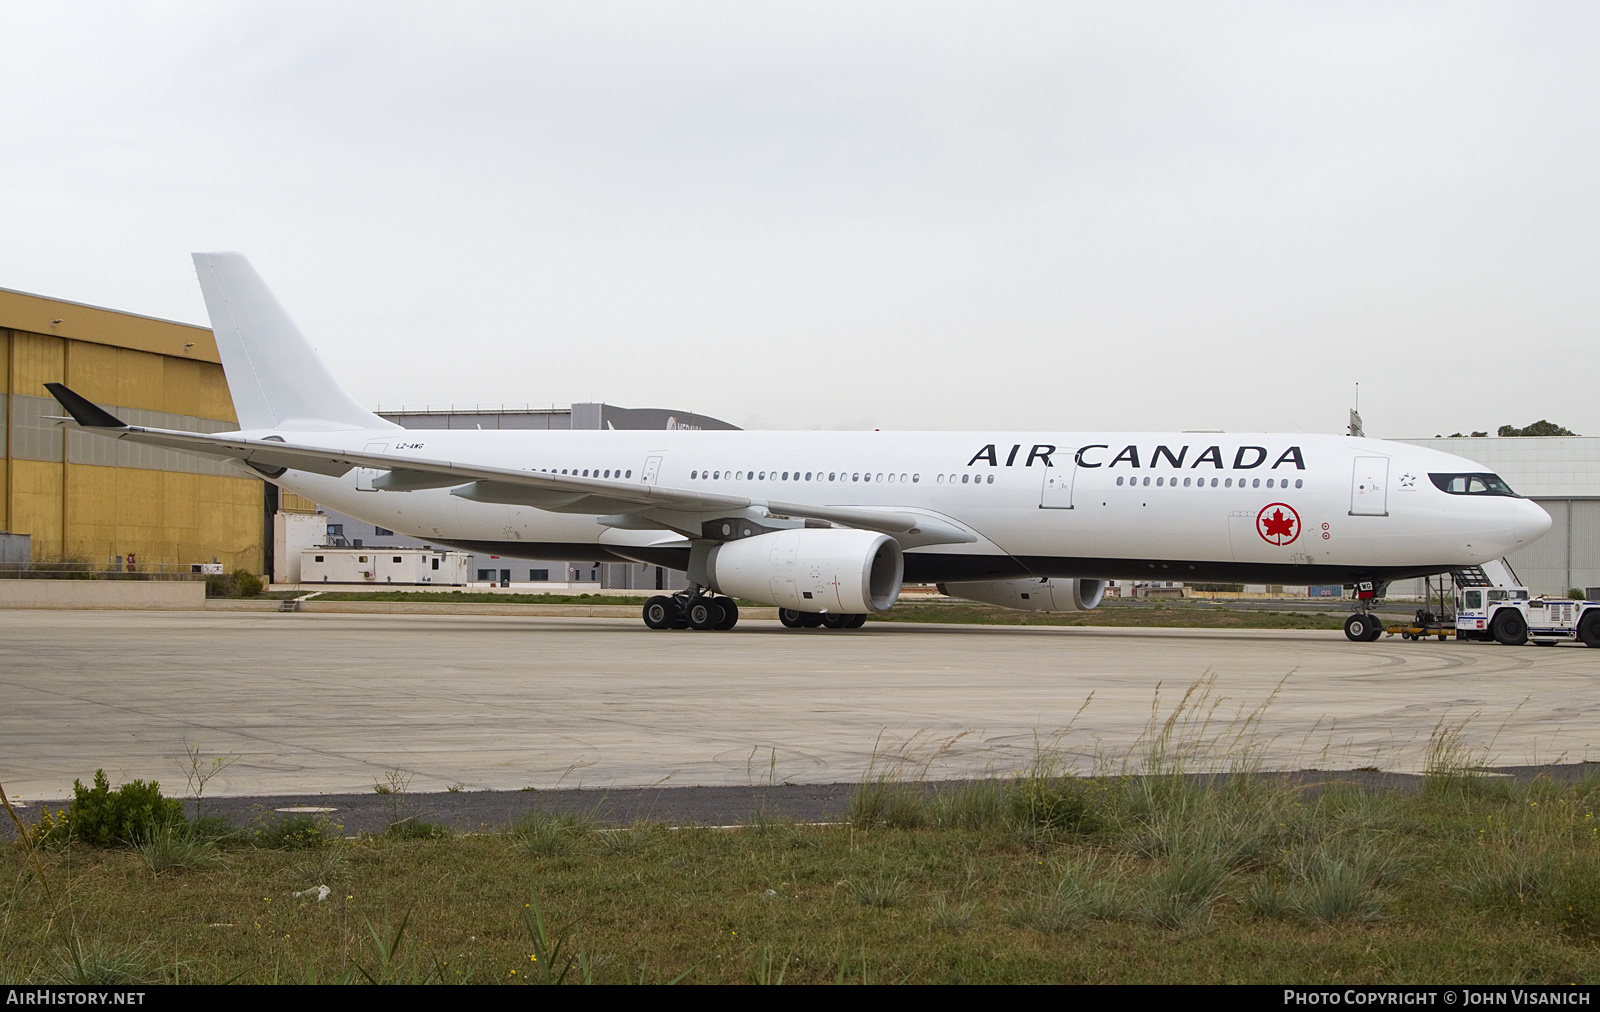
x=1495 y=573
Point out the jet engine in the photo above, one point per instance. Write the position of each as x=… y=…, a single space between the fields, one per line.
x=816 y=570
x=1031 y=595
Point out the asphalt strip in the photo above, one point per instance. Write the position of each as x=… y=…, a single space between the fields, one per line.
x=488 y=811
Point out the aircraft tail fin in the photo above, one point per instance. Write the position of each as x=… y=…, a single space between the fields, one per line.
x=276 y=378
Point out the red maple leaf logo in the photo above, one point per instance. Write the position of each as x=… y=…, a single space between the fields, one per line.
x=1277 y=525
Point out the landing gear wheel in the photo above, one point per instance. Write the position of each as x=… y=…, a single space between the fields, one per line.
x=1362 y=628
x=810 y=620
x=1509 y=628
x=832 y=621
x=660 y=612
x=730 y=613
x=856 y=622
x=1589 y=629
x=704 y=613
x=791 y=619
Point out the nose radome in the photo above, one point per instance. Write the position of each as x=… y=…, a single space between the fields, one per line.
x=1534 y=523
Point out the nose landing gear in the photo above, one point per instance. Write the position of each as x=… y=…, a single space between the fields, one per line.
x=1362 y=628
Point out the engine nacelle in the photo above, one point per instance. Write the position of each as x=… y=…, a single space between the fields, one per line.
x=1031 y=595
x=818 y=570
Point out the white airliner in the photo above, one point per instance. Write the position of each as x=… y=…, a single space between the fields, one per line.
x=826 y=525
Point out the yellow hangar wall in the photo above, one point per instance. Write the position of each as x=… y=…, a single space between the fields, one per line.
x=84 y=498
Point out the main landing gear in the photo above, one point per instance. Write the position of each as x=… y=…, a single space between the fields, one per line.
x=695 y=609
x=691 y=611
x=1362 y=627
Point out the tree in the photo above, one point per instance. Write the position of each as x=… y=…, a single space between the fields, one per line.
x=1539 y=428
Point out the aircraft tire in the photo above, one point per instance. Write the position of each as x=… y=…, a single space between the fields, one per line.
x=1361 y=628
x=1509 y=628
x=810 y=620
x=705 y=613
x=835 y=621
x=660 y=612
x=856 y=622
x=791 y=618
x=730 y=613
x=1589 y=629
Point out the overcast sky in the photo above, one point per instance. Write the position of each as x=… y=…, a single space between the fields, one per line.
x=854 y=215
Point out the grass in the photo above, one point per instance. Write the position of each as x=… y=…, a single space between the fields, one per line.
x=1268 y=885
x=174 y=848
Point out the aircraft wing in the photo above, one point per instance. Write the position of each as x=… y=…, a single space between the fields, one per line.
x=619 y=503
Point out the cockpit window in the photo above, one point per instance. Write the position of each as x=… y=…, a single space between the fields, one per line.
x=1473 y=484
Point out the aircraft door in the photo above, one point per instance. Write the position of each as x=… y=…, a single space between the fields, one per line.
x=364 y=475
x=1057 y=491
x=1369 y=487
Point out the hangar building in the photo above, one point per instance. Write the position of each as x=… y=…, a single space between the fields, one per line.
x=82 y=498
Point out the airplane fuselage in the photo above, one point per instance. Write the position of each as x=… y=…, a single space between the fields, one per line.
x=1270 y=508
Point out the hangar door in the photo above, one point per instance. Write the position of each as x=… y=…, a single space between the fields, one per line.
x=1369 y=487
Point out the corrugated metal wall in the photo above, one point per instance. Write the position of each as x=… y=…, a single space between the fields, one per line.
x=1567 y=557
x=83 y=498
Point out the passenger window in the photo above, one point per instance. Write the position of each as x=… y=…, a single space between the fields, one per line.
x=785 y=476
x=916 y=478
x=1119 y=479
x=856 y=476
x=1147 y=481
x=1298 y=482
x=1256 y=483
x=880 y=477
x=692 y=475
x=808 y=476
x=1213 y=483
x=1228 y=483
x=1158 y=482
x=991 y=479
x=1186 y=483
x=965 y=478
x=830 y=475
x=1269 y=482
